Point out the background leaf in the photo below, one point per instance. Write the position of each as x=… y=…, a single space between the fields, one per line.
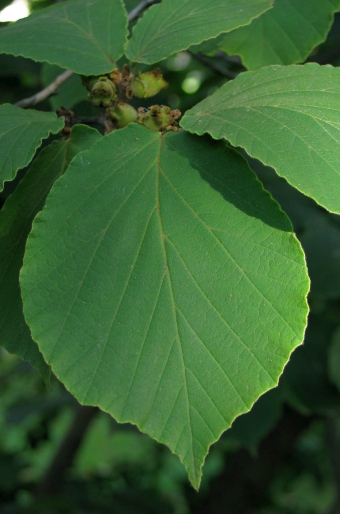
x=288 y=118
x=334 y=359
x=16 y=219
x=86 y=37
x=176 y=279
x=21 y=133
x=305 y=383
x=175 y=25
x=285 y=34
x=250 y=428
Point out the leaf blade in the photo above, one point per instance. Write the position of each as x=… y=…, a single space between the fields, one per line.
x=286 y=34
x=16 y=219
x=26 y=129
x=175 y=25
x=97 y=30
x=287 y=118
x=163 y=296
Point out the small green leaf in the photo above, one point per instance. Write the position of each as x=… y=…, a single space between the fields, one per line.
x=21 y=133
x=175 y=25
x=171 y=291
x=284 y=35
x=16 y=218
x=288 y=118
x=86 y=37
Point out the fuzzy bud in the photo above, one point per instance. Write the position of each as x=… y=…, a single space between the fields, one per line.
x=122 y=114
x=148 y=84
x=158 y=117
x=103 y=92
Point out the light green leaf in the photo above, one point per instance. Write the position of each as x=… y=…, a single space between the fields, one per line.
x=288 y=118
x=170 y=292
x=174 y=25
x=86 y=37
x=21 y=133
x=16 y=219
x=284 y=35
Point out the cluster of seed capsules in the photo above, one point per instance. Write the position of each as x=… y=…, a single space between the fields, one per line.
x=113 y=91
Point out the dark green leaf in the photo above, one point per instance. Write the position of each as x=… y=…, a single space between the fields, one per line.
x=16 y=219
x=86 y=37
x=21 y=133
x=305 y=383
x=171 y=291
x=321 y=242
x=284 y=35
x=288 y=118
x=250 y=428
x=334 y=359
x=175 y=25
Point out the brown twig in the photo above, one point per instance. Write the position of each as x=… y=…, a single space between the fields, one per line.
x=140 y=7
x=89 y=120
x=207 y=61
x=53 y=479
x=46 y=92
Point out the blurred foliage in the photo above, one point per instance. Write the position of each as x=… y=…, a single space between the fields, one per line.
x=281 y=458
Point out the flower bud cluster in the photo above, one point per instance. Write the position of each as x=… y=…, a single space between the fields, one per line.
x=113 y=90
x=159 y=117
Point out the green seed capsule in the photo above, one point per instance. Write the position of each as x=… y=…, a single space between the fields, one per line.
x=148 y=84
x=103 y=92
x=122 y=114
x=158 y=118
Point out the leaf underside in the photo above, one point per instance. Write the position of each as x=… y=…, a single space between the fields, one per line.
x=288 y=118
x=170 y=292
x=16 y=219
x=175 y=25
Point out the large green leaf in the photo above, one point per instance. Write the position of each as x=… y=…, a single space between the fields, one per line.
x=21 y=133
x=284 y=35
x=86 y=37
x=288 y=118
x=171 y=291
x=175 y=25
x=16 y=219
